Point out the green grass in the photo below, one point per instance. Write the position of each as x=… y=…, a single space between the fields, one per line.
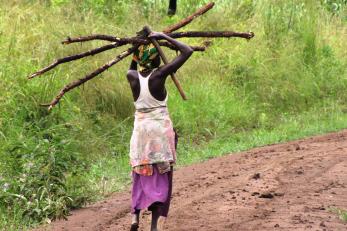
x=341 y=213
x=288 y=82
x=343 y=216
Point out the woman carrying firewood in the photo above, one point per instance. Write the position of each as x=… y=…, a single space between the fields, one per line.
x=153 y=142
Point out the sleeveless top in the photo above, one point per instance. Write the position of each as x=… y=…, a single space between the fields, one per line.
x=145 y=99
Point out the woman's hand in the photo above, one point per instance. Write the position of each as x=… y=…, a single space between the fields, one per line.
x=156 y=35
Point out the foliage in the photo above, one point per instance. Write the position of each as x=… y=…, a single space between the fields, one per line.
x=341 y=213
x=289 y=81
x=335 y=6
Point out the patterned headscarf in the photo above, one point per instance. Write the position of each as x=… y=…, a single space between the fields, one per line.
x=144 y=55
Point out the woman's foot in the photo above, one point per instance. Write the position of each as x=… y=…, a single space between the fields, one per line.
x=134 y=227
x=135 y=220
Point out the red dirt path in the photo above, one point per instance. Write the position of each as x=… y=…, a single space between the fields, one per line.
x=289 y=186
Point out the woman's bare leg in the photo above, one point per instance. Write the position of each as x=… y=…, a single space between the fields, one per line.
x=155 y=218
x=135 y=221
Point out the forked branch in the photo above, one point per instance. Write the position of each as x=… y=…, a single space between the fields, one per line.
x=74 y=57
x=98 y=71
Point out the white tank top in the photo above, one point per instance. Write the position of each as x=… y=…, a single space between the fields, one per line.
x=146 y=100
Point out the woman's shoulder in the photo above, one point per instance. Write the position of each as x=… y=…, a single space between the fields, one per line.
x=158 y=73
x=132 y=74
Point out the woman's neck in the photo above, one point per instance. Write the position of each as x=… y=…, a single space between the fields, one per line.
x=146 y=72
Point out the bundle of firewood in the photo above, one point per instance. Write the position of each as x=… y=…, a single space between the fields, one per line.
x=136 y=41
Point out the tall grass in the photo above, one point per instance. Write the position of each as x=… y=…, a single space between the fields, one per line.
x=288 y=82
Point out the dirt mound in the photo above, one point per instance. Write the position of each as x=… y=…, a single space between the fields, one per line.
x=289 y=186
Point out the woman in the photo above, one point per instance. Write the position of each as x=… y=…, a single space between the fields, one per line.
x=153 y=142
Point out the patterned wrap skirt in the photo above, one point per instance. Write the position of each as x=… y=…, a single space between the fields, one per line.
x=153 y=138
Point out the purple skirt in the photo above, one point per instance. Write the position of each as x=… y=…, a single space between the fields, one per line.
x=150 y=191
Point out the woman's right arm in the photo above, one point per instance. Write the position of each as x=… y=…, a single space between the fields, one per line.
x=132 y=69
x=133 y=65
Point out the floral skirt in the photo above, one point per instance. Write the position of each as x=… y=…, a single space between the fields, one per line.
x=153 y=138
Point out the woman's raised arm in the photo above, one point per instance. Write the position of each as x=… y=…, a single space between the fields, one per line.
x=174 y=65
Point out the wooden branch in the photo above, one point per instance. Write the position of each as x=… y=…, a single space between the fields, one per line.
x=109 y=38
x=74 y=57
x=190 y=18
x=98 y=71
x=211 y=34
x=173 y=47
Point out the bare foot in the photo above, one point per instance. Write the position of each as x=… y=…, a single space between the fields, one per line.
x=134 y=227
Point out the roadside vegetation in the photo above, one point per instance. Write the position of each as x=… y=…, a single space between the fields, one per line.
x=342 y=214
x=288 y=82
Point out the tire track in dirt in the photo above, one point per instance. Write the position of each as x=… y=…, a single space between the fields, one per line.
x=289 y=186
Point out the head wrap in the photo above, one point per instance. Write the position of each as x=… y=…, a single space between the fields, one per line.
x=144 y=55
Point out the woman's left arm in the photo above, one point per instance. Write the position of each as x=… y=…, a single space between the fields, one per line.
x=132 y=69
x=186 y=52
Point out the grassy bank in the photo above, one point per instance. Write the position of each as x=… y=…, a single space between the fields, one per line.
x=288 y=82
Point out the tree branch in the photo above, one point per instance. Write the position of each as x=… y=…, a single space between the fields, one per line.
x=172 y=47
x=98 y=71
x=211 y=34
x=189 y=19
x=75 y=57
x=109 y=38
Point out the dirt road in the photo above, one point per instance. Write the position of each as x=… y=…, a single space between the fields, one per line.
x=289 y=186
